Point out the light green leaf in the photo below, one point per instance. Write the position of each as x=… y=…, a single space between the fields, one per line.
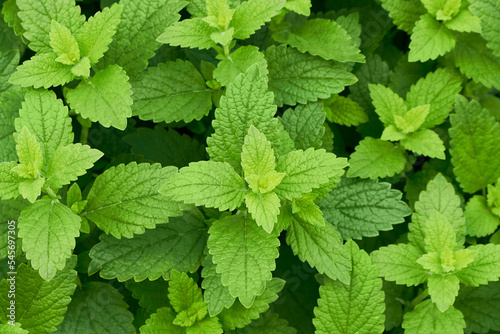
x=429 y=40
x=439 y=234
x=443 y=290
x=387 y=103
x=264 y=209
x=7 y=328
x=97 y=33
x=31 y=189
x=262 y=11
x=404 y=13
x=82 y=69
x=474 y=153
x=304 y=124
x=425 y=142
x=215 y=294
x=307 y=211
x=361 y=208
x=37 y=15
x=171 y=92
x=9 y=180
x=29 y=153
x=464 y=21
x=295 y=77
x=485 y=268
x=145 y=21
x=307 y=170
x=244 y=254
x=40 y=305
x=8 y=63
x=239 y=62
x=268 y=323
x=63 y=43
x=302 y=7
x=376 y=158
x=321 y=247
x=177 y=245
x=42 y=70
x=105 y=98
x=488 y=12
x=209 y=183
x=190 y=33
x=398 y=263
x=257 y=156
x=344 y=111
x=124 y=200
x=162 y=322
x=413 y=119
x=186 y=299
x=357 y=307
x=426 y=318
x=97 y=307
x=479 y=220
x=321 y=37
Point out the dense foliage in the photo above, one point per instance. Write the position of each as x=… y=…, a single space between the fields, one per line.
x=259 y=166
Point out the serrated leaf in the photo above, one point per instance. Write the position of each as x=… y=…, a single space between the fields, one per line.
x=304 y=124
x=307 y=170
x=41 y=304
x=209 y=183
x=10 y=103
x=264 y=209
x=37 y=15
x=464 y=21
x=63 y=43
x=97 y=33
x=429 y=40
x=344 y=111
x=474 y=153
x=8 y=328
x=361 y=208
x=244 y=254
x=295 y=77
x=443 y=290
x=438 y=233
x=321 y=247
x=9 y=210
x=357 y=307
x=387 y=104
x=376 y=158
x=161 y=322
x=268 y=323
x=428 y=319
x=425 y=142
x=399 y=263
x=307 y=211
x=173 y=91
x=479 y=220
x=8 y=64
x=484 y=268
x=97 y=307
x=404 y=13
x=29 y=153
x=257 y=155
x=42 y=70
x=124 y=200
x=152 y=295
x=105 y=98
x=186 y=299
x=215 y=294
x=145 y=21
x=190 y=33
x=30 y=189
x=177 y=245
x=9 y=180
x=262 y=11
x=488 y=11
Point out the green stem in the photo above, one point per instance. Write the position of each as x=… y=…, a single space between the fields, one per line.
x=419 y=298
x=84 y=136
x=51 y=193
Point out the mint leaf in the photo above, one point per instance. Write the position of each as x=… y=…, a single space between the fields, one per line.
x=244 y=254
x=42 y=70
x=8 y=64
x=387 y=104
x=295 y=77
x=427 y=318
x=177 y=85
x=63 y=43
x=464 y=21
x=443 y=290
x=215 y=294
x=344 y=111
x=304 y=124
x=29 y=153
x=177 y=245
x=151 y=294
x=268 y=323
x=485 y=266
x=161 y=321
x=190 y=33
x=357 y=307
x=264 y=209
x=186 y=299
x=124 y=200
x=360 y=208
x=488 y=12
x=262 y=11
x=425 y=142
x=105 y=98
x=479 y=220
x=404 y=13
x=10 y=103
x=9 y=180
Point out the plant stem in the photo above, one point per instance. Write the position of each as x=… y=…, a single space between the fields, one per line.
x=84 y=136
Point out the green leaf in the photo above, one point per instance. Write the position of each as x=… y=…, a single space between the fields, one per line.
x=429 y=40
x=177 y=245
x=321 y=247
x=376 y=158
x=10 y=103
x=145 y=21
x=479 y=220
x=438 y=89
x=47 y=119
x=304 y=124
x=425 y=142
x=9 y=210
x=443 y=290
x=42 y=70
x=404 y=13
x=186 y=299
x=474 y=153
x=485 y=268
x=40 y=305
x=387 y=103
x=97 y=307
x=302 y=7
x=7 y=328
x=8 y=64
x=82 y=69
x=295 y=77
x=161 y=322
x=465 y=21
x=321 y=37
x=438 y=233
x=63 y=43
x=307 y=170
x=29 y=153
x=262 y=11
x=37 y=15
x=173 y=91
x=488 y=12
x=48 y=230
x=361 y=208
x=190 y=33
x=9 y=180
x=426 y=318
x=97 y=33
x=215 y=294
x=105 y=98
x=268 y=323
x=68 y=163
x=257 y=156
x=124 y=200
x=247 y=102
x=151 y=294
x=264 y=209
x=344 y=111
x=209 y=183
x=239 y=62
x=398 y=263
x=357 y=307
x=238 y=316
x=244 y=254
x=307 y=211
x=31 y=189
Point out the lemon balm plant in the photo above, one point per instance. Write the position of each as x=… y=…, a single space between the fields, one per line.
x=258 y=166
